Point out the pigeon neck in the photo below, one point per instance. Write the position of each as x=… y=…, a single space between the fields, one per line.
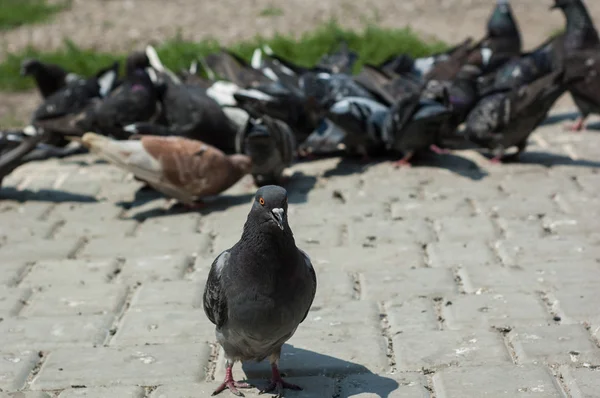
x=580 y=28
x=262 y=241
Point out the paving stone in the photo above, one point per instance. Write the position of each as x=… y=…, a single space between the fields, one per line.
x=174 y=224
x=25 y=394
x=76 y=300
x=174 y=294
x=494 y=310
x=461 y=229
x=579 y=302
x=400 y=385
x=411 y=315
x=407 y=210
x=521 y=229
x=581 y=382
x=11 y=272
x=332 y=341
x=556 y=345
x=12 y=300
x=551 y=249
x=104 y=392
x=523 y=381
x=521 y=207
x=530 y=277
x=167 y=267
x=148 y=365
x=96 y=229
x=45 y=333
x=433 y=349
x=405 y=284
x=15 y=367
x=19 y=229
x=456 y=254
x=313 y=387
x=131 y=247
x=70 y=272
x=46 y=249
x=334 y=287
x=372 y=233
x=167 y=326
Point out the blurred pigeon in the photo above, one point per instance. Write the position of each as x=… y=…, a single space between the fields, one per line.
x=271 y=145
x=184 y=169
x=362 y=121
x=49 y=78
x=504 y=120
x=260 y=290
x=503 y=34
x=326 y=139
x=12 y=155
x=385 y=88
x=582 y=46
x=340 y=61
x=231 y=67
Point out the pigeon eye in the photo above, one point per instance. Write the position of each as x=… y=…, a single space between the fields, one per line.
x=261 y=201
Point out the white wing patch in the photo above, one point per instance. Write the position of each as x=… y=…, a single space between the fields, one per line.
x=221 y=262
x=306 y=258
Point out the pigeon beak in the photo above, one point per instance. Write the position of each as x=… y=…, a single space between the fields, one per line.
x=278 y=217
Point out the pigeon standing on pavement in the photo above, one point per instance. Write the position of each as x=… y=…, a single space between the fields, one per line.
x=49 y=78
x=260 y=290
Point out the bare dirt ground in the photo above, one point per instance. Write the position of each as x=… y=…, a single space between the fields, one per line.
x=119 y=25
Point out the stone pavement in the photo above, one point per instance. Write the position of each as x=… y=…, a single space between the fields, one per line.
x=453 y=279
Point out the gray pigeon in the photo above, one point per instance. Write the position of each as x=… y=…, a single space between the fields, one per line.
x=260 y=290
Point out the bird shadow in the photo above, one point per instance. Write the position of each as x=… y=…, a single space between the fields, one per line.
x=351 y=165
x=297 y=362
x=44 y=195
x=452 y=162
x=549 y=159
x=298 y=187
x=559 y=118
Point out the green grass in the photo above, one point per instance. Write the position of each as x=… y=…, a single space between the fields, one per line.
x=14 y=13
x=271 y=12
x=374 y=44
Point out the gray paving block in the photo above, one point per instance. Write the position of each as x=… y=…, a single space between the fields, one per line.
x=581 y=382
x=521 y=229
x=312 y=387
x=70 y=272
x=456 y=254
x=113 y=229
x=20 y=229
x=399 y=385
x=104 y=392
x=175 y=325
x=521 y=207
x=433 y=349
x=25 y=394
x=173 y=224
x=407 y=210
x=560 y=344
x=334 y=287
x=76 y=300
x=165 y=267
x=551 y=249
x=523 y=381
x=11 y=272
x=494 y=310
x=44 y=333
x=372 y=233
x=173 y=294
x=146 y=366
x=332 y=341
x=15 y=367
x=579 y=302
x=131 y=247
x=411 y=315
x=44 y=249
x=461 y=229
x=12 y=300
x=403 y=284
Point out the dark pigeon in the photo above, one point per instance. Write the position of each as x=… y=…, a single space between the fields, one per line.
x=271 y=145
x=12 y=154
x=49 y=78
x=260 y=290
x=504 y=120
x=231 y=67
x=582 y=47
x=328 y=138
x=340 y=61
x=385 y=88
x=503 y=34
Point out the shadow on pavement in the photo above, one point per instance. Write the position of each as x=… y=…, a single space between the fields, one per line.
x=44 y=195
x=549 y=159
x=297 y=362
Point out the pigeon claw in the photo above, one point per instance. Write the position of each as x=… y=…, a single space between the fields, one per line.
x=231 y=386
x=278 y=386
x=439 y=151
x=577 y=126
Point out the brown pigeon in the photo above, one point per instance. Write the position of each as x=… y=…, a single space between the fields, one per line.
x=184 y=169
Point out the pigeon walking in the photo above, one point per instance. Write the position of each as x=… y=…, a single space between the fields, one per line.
x=260 y=290
x=49 y=78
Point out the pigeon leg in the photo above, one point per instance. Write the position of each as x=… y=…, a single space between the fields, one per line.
x=230 y=384
x=405 y=161
x=578 y=125
x=440 y=151
x=195 y=206
x=277 y=382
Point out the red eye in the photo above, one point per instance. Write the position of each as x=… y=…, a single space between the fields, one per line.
x=261 y=201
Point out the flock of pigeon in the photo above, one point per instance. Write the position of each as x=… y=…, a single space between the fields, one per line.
x=190 y=137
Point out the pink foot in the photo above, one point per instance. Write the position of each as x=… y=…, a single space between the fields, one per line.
x=230 y=384
x=577 y=126
x=496 y=160
x=404 y=162
x=440 y=151
x=278 y=384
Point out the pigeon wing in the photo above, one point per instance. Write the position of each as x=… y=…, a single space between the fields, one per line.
x=215 y=301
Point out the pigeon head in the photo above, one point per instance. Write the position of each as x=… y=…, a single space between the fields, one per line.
x=270 y=207
x=30 y=66
x=136 y=60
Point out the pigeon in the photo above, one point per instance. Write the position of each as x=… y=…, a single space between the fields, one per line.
x=385 y=88
x=260 y=290
x=341 y=61
x=362 y=121
x=49 y=78
x=271 y=145
x=581 y=46
x=327 y=138
x=503 y=120
x=12 y=155
x=331 y=88
x=414 y=124
x=503 y=34
x=229 y=66
x=70 y=110
x=183 y=169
